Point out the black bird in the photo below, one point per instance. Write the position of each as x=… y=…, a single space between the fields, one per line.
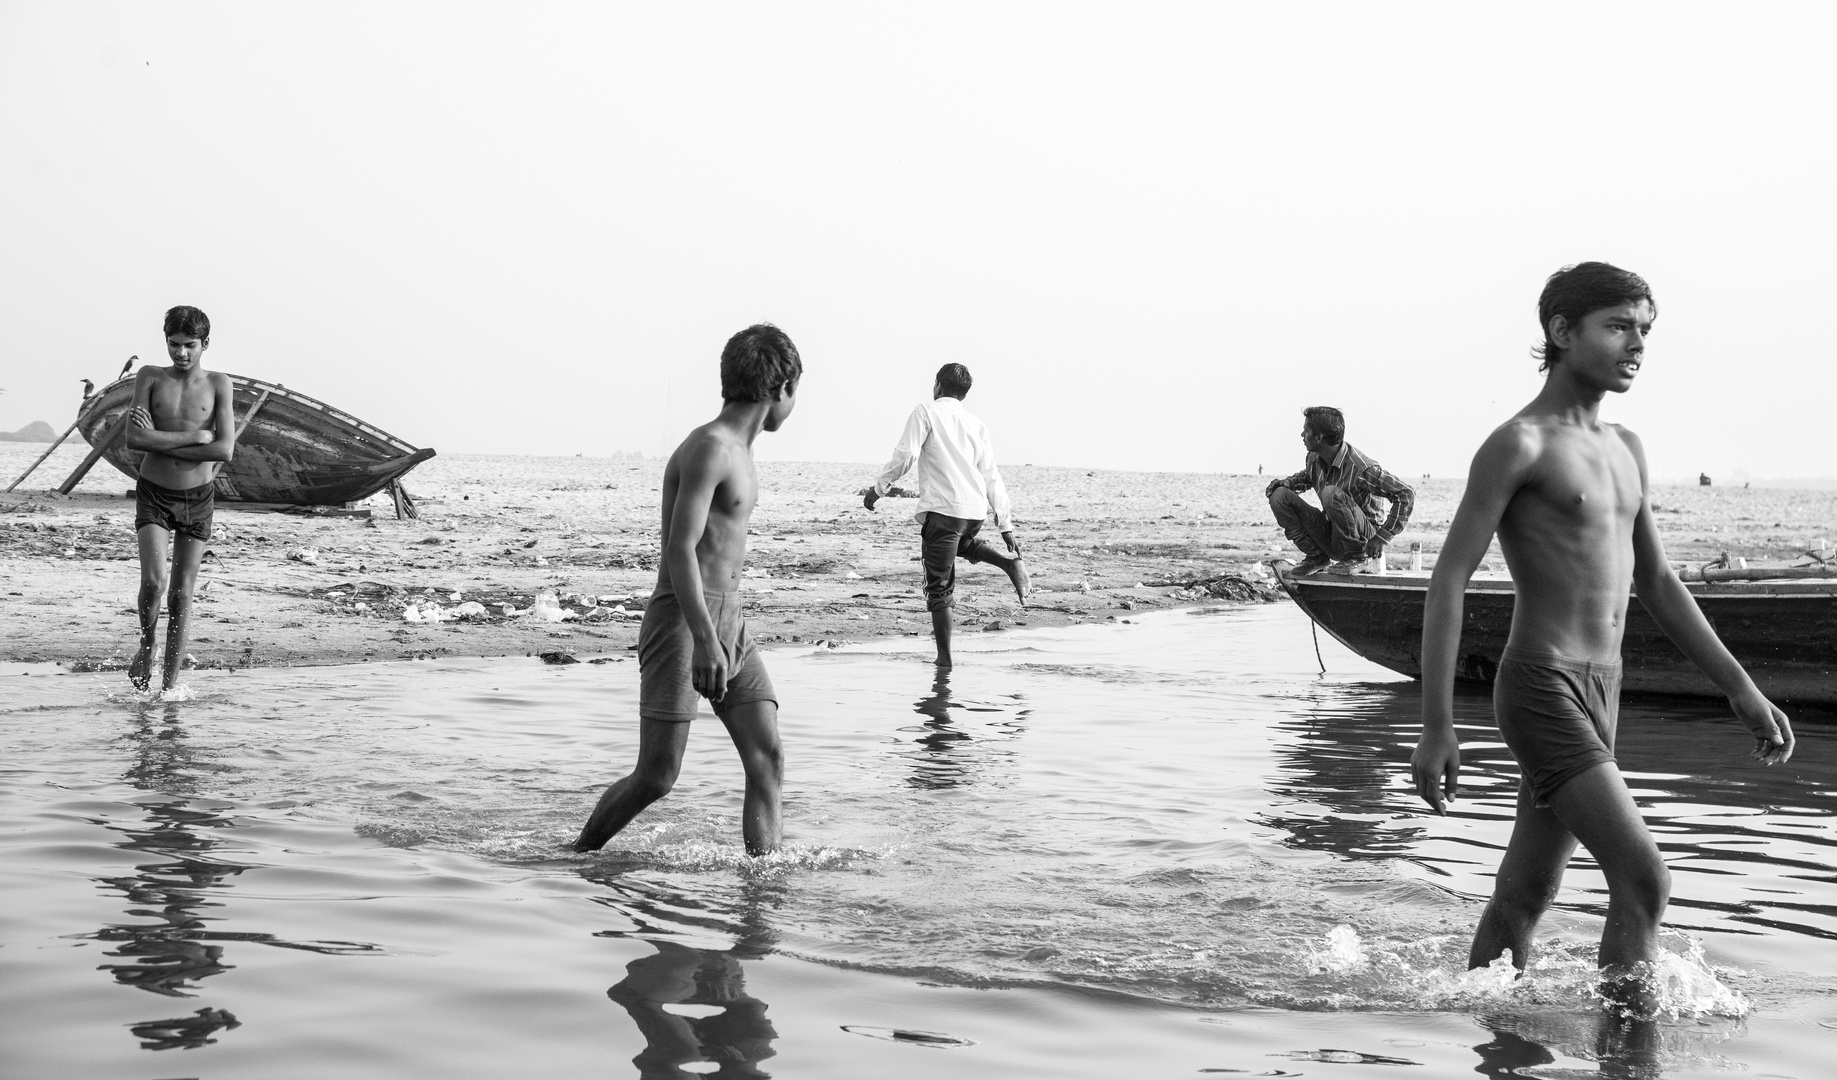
x=88 y=389
x=129 y=364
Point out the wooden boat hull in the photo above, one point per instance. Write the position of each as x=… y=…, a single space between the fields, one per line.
x=1783 y=632
x=296 y=450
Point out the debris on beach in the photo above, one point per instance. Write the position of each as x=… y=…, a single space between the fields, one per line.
x=1221 y=587
x=548 y=608
x=307 y=555
x=557 y=657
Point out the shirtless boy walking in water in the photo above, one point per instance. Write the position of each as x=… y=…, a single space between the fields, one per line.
x=1566 y=494
x=693 y=641
x=184 y=423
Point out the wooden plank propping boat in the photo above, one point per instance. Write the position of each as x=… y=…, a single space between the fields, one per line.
x=1782 y=629
x=291 y=449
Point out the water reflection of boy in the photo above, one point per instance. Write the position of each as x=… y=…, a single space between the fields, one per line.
x=1567 y=496
x=172 y=955
x=736 y=1039
x=709 y=489
x=934 y=767
x=183 y=422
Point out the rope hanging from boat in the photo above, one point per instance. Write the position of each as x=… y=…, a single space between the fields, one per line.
x=1314 y=626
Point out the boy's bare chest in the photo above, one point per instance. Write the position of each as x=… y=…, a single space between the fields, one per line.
x=183 y=406
x=735 y=498
x=1589 y=481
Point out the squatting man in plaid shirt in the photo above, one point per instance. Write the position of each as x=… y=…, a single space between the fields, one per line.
x=1349 y=484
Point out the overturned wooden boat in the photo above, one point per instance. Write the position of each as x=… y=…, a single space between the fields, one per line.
x=1782 y=629
x=291 y=449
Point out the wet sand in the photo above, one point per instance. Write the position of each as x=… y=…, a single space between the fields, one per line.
x=286 y=588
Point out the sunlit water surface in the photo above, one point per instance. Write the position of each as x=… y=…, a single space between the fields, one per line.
x=1163 y=848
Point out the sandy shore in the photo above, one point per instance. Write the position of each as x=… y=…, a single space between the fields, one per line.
x=499 y=532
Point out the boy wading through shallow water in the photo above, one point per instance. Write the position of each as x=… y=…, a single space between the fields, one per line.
x=693 y=641
x=1567 y=495
x=183 y=421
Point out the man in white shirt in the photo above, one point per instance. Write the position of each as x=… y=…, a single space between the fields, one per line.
x=958 y=485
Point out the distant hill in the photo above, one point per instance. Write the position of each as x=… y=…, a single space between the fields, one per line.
x=36 y=431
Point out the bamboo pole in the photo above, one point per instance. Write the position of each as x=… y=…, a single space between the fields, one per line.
x=43 y=456
x=242 y=426
x=1756 y=573
x=103 y=445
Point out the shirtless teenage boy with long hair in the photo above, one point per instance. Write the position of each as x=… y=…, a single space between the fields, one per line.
x=1566 y=493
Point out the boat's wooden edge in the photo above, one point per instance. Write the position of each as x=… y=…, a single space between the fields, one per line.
x=1418 y=581
x=96 y=401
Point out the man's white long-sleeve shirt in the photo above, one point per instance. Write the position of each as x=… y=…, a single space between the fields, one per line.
x=956 y=466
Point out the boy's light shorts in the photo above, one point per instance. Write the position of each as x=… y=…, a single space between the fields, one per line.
x=666 y=651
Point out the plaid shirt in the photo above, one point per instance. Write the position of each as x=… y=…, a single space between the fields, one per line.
x=1363 y=479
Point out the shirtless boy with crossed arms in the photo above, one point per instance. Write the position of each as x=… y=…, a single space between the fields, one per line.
x=693 y=641
x=1567 y=495
x=183 y=421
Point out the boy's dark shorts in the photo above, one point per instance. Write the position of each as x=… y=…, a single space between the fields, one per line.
x=942 y=540
x=666 y=653
x=1558 y=715
x=184 y=513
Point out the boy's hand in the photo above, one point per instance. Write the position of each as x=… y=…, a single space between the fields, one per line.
x=1013 y=544
x=1435 y=768
x=1273 y=485
x=1773 y=741
x=708 y=671
x=870 y=498
x=139 y=417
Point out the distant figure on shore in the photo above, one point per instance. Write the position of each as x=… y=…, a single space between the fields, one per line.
x=183 y=420
x=693 y=641
x=1344 y=531
x=1567 y=496
x=958 y=486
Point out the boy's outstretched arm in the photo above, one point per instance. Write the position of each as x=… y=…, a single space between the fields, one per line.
x=906 y=451
x=1678 y=615
x=1497 y=472
x=699 y=473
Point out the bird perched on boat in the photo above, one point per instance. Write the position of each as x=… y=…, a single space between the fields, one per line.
x=89 y=388
x=129 y=365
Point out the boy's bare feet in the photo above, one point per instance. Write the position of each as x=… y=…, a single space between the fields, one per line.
x=1023 y=585
x=140 y=672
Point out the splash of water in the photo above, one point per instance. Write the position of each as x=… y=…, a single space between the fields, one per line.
x=1347 y=971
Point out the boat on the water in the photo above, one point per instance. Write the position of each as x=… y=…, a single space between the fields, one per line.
x=1783 y=630
x=291 y=449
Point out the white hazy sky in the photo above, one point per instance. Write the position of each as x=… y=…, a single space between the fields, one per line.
x=1153 y=231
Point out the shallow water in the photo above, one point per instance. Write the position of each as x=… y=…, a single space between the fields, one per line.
x=1167 y=847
